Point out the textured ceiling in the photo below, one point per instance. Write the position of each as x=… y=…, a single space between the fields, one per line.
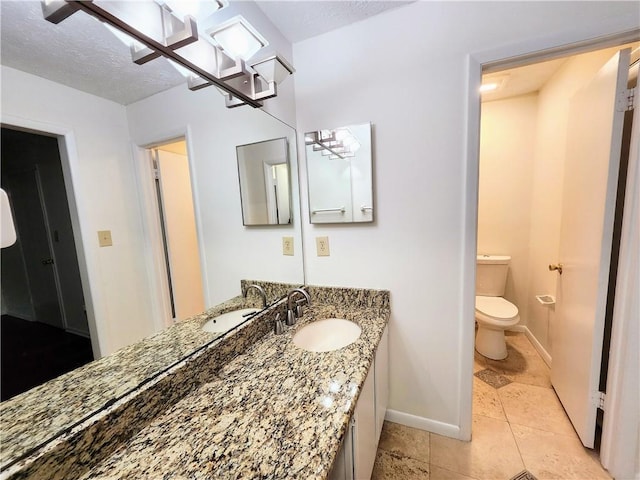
x=299 y=20
x=78 y=52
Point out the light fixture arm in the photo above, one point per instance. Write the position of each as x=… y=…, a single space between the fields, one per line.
x=333 y=152
x=59 y=10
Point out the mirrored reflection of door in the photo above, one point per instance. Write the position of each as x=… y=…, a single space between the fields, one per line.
x=178 y=224
x=26 y=199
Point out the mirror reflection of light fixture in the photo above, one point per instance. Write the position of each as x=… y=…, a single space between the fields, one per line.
x=335 y=144
x=169 y=28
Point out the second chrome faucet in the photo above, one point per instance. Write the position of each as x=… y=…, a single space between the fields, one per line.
x=295 y=307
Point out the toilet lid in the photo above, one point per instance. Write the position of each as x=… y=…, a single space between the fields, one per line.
x=496 y=307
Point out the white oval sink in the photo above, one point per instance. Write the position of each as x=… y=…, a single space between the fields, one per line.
x=226 y=321
x=327 y=335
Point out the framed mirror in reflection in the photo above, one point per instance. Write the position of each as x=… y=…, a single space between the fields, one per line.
x=265 y=182
x=339 y=172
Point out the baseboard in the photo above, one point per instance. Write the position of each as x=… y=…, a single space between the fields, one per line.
x=21 y=316
x=534 y=341
x=80 y=333
x=422 y=423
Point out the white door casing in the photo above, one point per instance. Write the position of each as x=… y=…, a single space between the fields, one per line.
x=589 y=194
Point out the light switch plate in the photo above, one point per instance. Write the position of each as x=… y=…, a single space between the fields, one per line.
x=287 y=245
x=104 y=238
x=322 y=246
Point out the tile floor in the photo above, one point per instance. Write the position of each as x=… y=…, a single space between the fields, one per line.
x=518 y=424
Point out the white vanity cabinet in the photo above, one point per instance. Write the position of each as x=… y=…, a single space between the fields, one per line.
x=358 y=452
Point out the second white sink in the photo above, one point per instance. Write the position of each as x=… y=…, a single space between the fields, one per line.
x=226 y=321
x=327 y=335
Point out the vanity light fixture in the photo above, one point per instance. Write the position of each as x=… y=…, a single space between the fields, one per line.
x=197 y=9
x=238 y=38
x=273 y=69
x=169 y=28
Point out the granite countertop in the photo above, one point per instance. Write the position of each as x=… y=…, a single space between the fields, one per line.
x=273 y=411
x=32 y=418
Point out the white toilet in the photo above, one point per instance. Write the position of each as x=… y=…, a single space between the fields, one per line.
x=494 y=314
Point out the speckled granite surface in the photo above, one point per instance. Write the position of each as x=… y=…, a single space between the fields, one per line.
x=275 y=411
x=29 y=420
x=249 y=405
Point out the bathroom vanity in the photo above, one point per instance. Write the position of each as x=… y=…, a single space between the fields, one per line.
x=250 y=404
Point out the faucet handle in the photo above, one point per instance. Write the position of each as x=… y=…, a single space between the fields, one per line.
x=291 y=318
x=299 y=308
x=278 y=328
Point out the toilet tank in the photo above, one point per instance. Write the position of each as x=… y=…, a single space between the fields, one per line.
x=491 y=275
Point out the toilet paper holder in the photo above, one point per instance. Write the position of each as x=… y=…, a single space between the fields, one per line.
x=546 y=299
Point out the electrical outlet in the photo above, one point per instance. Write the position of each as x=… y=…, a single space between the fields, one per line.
x=104 y=238
x=287 y=245
x=322 y=245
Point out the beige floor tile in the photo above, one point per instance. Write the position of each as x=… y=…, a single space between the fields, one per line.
x=390 y=466
x=523 y=363
x=536 y=407
x=549 y=455
x=486 y=401
x=491 y=454
x=438 y=473
x=520 y=342
x=405 y=441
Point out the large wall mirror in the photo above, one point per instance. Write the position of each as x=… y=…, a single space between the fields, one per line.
x=107 y=184
x=339 y=172
x=265 y=182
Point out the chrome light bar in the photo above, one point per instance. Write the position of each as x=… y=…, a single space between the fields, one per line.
x=154 y=25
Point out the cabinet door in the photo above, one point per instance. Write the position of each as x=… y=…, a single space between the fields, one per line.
x=343 y=464
x=366 y=441
x=382 y=381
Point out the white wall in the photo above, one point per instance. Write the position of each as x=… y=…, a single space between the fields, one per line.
x=547 y=184
x=229 y=250
x=100 y=178
x=406 y=71
x=507 y=146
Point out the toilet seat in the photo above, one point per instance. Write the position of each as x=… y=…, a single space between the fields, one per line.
x=495 y=309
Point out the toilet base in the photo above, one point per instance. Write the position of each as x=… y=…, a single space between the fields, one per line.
x=490 y=343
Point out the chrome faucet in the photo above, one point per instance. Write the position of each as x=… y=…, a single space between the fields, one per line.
x=294 y=308
x=261 y=291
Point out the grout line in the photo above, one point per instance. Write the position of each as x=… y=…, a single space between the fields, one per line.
x=517 y=446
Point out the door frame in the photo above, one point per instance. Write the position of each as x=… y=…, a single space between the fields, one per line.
x=154 y=247
x=70 y=163
x=508 y=56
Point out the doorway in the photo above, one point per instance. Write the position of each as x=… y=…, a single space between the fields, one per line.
x=45 y=331
x=520 y=208
x=177 y=238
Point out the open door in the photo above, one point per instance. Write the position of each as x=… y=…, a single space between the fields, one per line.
x=591 y=174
